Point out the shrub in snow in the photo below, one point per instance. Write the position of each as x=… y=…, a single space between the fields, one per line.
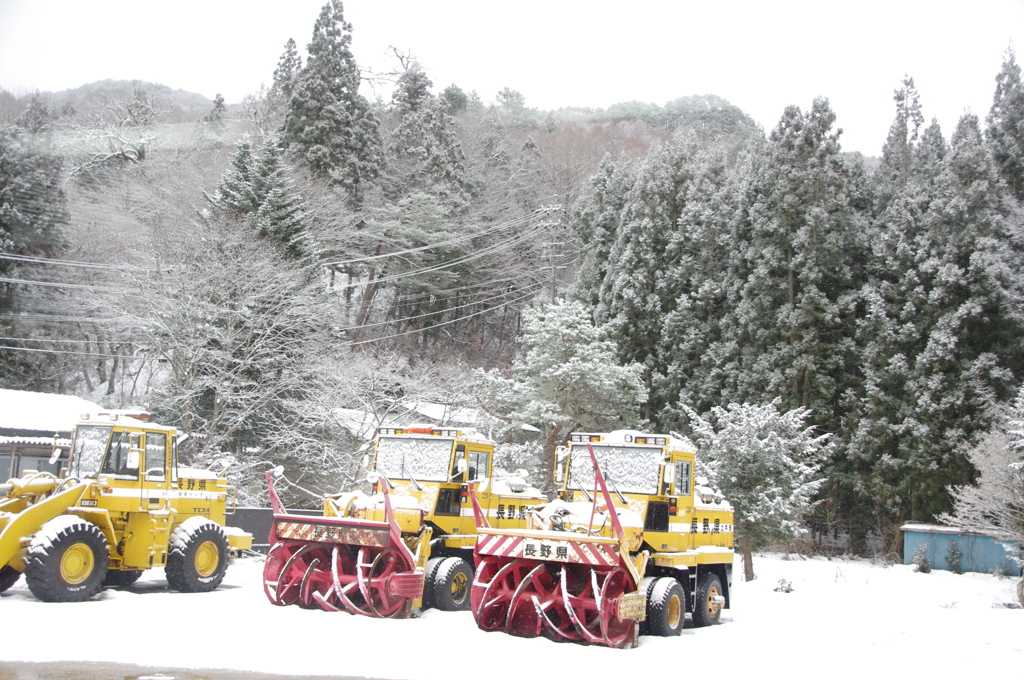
x=921 y=561
x=954 y=556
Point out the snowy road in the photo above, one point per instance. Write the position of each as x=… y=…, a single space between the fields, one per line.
x=848 y=617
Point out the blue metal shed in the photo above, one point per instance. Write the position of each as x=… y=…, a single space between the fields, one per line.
x=980 y=552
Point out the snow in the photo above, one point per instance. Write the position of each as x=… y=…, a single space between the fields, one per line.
x=842 y=618
x=22 y=410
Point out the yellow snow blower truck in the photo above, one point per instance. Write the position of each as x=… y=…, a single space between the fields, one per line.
x=123 y=505
x=632 y=543
x=407 y=545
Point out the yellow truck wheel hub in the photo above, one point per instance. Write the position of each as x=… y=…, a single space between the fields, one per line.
x=713 y=606
x=675 y=611
x=207 y=559
x=77 y=563
x=460 y=586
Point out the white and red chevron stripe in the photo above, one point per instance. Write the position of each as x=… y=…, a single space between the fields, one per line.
x=549 y=549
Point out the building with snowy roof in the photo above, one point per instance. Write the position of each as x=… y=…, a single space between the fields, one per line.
x=978 y=551
x=29 y=423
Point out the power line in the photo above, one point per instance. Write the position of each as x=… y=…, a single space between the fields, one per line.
x=48 y=260
x=54 y=284
x=444 y=323
x=451 y=241
x=70 y=342
x=442 y=311
x=437 y=295
x=490 y=250
x=58 y=351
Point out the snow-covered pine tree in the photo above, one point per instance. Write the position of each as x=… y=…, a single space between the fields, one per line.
x=635 y=294
x=236 y=192
x=424 y=153
x=257 y=187
x=287 y=72
x=802 y=267
x=766 y=463
x=1005 y=121
x=699 y=348
x=329 y=126
x=596 y=225
x=940 y=332
x=281 y=213
x=898 y=150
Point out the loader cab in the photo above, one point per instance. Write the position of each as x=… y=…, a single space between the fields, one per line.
x=124 y=451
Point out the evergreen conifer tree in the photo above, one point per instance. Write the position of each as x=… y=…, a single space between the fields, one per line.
x=423 y=152
x=939 y=333
x=257 y=188
x=803 y=251
x=329 y=126
x=1006 y=125
x=287 y=72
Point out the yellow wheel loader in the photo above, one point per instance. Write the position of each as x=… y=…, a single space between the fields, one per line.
x=123 y=505
x=406 y=545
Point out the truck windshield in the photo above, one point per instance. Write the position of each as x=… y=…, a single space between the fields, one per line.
x=419 y=459
x=630 y=469
x=90 y=445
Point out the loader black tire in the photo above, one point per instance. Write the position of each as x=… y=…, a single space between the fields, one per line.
x=428 y=581
x=197 y=557
x=645 y=587
x=8 y=577
x=666 y=607
x=705 y=613
x=116 y=578
x=67 y=561
x=451 y=585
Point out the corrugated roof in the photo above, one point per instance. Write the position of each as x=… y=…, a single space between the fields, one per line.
x=33 y=441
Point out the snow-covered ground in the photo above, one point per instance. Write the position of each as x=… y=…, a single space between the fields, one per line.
x=843 y=619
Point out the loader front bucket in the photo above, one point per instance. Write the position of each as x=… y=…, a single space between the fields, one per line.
x=341 y=564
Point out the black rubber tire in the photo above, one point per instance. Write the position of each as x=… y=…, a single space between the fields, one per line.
x=645 y=587
x=117 y=578
x=8 y=577
x=708 y=585
x=452 y=584
x=666 y=608
x=198 y=556
x=67 y=564
x=428 y=581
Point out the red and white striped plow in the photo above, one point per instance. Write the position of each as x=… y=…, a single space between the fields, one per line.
x=565 y=586
x=340 y=564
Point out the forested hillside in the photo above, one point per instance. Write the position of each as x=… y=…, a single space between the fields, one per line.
x=250 y=271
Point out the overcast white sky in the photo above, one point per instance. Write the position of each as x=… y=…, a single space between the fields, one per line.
x=760 y=55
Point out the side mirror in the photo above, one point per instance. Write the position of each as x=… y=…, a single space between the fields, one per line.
x=132 y=463
x=560 y=457
x=366 y=462
x=461 y=465
x=669 y=477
